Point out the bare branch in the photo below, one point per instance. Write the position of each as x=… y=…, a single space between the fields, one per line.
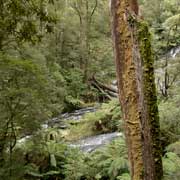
x=77 y=11
x=94 y=9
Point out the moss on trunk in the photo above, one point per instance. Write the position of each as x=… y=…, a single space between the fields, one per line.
x=150 y=98
x=125 y=50
x=137 y=92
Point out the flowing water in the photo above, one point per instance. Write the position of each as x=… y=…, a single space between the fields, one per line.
x=174 y=52
x=94 y=142
x=88 y=144
x=61 y=120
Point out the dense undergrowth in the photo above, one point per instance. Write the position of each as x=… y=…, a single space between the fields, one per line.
x=47 y=156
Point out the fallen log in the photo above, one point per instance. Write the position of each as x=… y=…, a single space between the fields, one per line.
x=95 y=85
x=108 y=92
x=112 y=94
x=103 y=86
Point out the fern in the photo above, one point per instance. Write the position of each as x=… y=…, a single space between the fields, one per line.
x=171 y=165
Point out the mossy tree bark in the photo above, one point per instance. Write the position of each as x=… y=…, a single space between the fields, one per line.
x=137 y=92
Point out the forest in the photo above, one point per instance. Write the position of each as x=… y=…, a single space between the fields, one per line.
x=89 y=90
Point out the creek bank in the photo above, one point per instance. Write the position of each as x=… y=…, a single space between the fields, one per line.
x=87 y=129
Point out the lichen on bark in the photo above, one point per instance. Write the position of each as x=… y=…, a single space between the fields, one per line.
x=127 y=82
x=137 y=92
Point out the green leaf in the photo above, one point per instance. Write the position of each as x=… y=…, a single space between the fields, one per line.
x=53 y=160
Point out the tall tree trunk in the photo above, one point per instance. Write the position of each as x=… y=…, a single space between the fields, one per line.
x=85 y=11
x=137 y=92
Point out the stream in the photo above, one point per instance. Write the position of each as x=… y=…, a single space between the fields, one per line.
x=87 y=144
x=60 y=121
x=92 y=143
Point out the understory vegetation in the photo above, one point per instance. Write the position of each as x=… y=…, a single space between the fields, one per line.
x=48 y=154
x=50 y=53
x=105 y=120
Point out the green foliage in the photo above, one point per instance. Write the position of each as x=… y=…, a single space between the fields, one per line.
x=111 y=161
x=171 y=164
x=24 y=21
x=50 y=159
x=75 y=166
x=170 y=119
x=172 y=21
x=72 y=104
x=163 y=17
x=175 y=148
x=108 y=118
x=23 y=106
x=22 y=83
x=105 y=119
x=39 y=159
x=16 y=167
x=124 y=176
x=74 y=80
x=108 y=163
